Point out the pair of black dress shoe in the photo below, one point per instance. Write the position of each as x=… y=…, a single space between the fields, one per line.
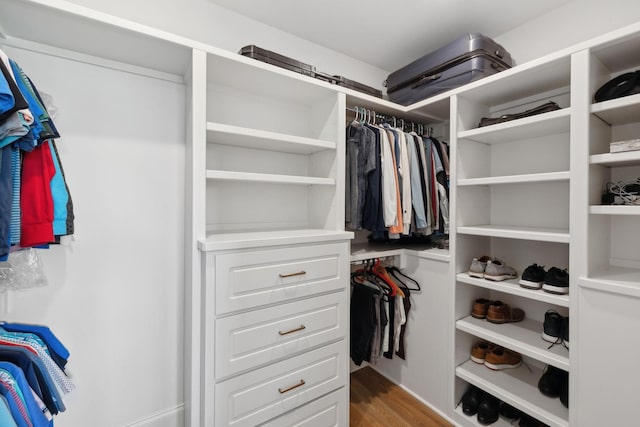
x=488 y=408
x=554 y=382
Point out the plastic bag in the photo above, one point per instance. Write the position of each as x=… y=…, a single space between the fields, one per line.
x=23 y=270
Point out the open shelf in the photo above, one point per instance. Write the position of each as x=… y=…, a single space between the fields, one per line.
x=550 y=123
x=102 y=35
x=626 y=158
x=264 y=140
x=516 y=179
x=523 y=233
x=217 y=175
x=519 y=388
x=614 y=279
x=618 y=111
x=512 y=287
x=532 y=78
x=265 y=80
x=614 y=210
x=523 y=337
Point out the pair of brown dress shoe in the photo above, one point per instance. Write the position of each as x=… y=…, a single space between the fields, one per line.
x=495 y=311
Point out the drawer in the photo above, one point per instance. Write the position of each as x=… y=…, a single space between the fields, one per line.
x=263 y=394
x=328 y=411
x=247 y=340
x=247 y=280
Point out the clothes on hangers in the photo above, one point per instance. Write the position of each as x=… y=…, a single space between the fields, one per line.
x=397 y=181
x=33 y=383
x=380 y=304
x=35 y=203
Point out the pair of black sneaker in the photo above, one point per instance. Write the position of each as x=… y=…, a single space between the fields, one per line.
x=553 y=383
x=486 y=407
x=489 y=408
x=555 y=328
x=554 y=281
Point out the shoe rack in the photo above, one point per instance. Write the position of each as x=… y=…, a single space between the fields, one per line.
x=511 y=197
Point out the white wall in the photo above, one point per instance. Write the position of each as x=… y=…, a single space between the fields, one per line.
x=115 y=296
x=209 y=23
x=570 y=24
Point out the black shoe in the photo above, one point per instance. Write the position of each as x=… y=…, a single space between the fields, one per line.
x=550 y=383
x=553 y=326
x=529 y=421
x=509 y=412
x=564 y=392
x=533 y=277
x=471 y=400
x=556 y=281
x=488 y=409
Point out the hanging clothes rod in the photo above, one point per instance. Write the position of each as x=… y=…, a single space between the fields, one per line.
x=387 y=258
x=371 y=116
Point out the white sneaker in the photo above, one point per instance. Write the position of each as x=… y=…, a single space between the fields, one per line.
x=498 y=271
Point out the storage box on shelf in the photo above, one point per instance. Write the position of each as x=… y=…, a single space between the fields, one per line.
x=511 y=197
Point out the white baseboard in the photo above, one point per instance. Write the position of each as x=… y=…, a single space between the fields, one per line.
x=173 y=417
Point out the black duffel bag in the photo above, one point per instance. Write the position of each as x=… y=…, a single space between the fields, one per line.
x=624 y=85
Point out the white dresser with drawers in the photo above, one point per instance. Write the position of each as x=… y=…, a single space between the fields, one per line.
x=276 y=332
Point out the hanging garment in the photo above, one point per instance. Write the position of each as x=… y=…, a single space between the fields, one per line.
x=363 y=321
x=36 y=201
x=37 y=417
x=33 y=185
x=57 y=350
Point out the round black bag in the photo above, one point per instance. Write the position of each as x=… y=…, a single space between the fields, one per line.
x=624 y=85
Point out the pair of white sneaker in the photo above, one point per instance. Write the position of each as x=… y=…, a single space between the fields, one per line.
x=490 y=268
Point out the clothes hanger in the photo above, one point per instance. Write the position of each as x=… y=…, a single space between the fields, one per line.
x=395 y=270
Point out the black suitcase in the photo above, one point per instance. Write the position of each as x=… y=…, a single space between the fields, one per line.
x=276 y=59
x=468 y=58
x=351 y=84
x=282 y=61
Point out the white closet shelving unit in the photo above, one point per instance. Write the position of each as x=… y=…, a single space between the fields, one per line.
x=510 y=192
x=608 y=253
x=275 y=256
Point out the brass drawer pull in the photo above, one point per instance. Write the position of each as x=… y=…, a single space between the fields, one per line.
x=299 y=273
x=299 y=328
x=284 y=390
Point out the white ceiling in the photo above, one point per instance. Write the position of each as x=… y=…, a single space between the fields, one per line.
x=390 y=33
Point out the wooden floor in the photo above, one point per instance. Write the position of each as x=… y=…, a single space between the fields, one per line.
x=377 y=402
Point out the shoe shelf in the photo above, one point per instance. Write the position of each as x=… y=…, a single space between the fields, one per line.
x=541 y=125
x=618 y=111
x=238 y=136
x=473 y=419
x=524 y=233
x=513 y=288
x=523 y=337
x=517 y=387
x=516 y=179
